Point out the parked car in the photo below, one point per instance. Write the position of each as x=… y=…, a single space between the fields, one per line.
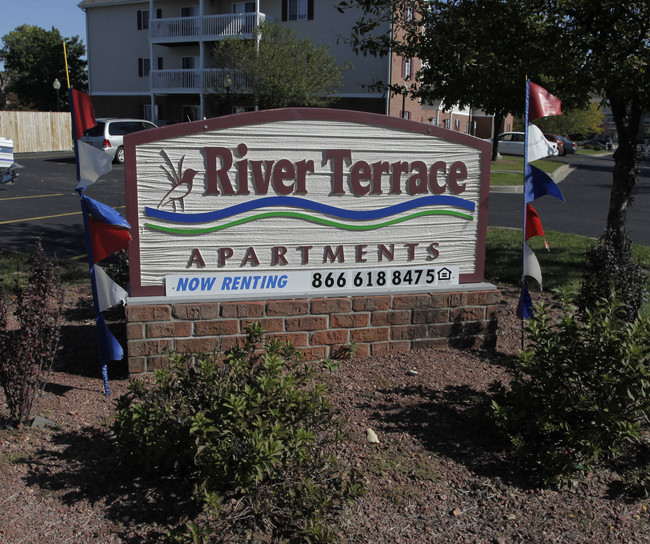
x=109 y=134
x=569 y=146
x=554 y=138
x=604 y=142
x=512 y=143
x=8 y=167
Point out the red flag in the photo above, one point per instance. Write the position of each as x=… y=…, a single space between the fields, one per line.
x=534 y=224
x=106 y=239
x=83 y=113
x=542 y=103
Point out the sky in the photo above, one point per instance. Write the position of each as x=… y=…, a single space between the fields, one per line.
x=64 y=15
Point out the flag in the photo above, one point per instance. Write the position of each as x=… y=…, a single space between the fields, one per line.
x=93 y=163
x=83 y=113
x=538 y=146
x=531 y=265
x=107 y=229
x=542 y=103
x=525 y=306
x=534 y=224
x=109 y=348
x=109 y=293
x=538 y=183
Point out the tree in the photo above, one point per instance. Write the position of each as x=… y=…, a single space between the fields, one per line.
x=33 y=59
x=478 y=53
x=474 y=54
x=277 y=69
x=579 y=123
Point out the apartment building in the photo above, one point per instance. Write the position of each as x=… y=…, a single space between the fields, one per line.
x=153 y=59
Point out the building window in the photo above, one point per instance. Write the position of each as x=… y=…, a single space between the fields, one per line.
x=188 y=63
x=406 y=115
x=243 y=7
x=297 y=10
x=144 y=66
x=457 y=124
x=191 y=11
x=406 y=65
x=143 y=19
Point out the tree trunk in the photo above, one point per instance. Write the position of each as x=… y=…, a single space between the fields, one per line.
x=498 y=119
x=627 y=119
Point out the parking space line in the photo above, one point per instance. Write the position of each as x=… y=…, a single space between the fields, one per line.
x=26 y=197
x=48 y=216
x=37 y=218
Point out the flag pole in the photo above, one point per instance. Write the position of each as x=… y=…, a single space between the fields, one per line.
x=523 y=242
x=93 y=284
x=67 y=70
x=89 y=251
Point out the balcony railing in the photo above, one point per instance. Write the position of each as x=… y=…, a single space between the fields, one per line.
x=208 y=27
x=194 y=81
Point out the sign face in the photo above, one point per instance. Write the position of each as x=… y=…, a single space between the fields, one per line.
x=304 y=202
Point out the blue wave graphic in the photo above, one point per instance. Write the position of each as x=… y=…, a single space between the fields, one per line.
x=295 y=202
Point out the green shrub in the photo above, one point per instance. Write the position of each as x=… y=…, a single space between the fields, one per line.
x=27 y=353
x=579 y=392
x=255 y=433
x=611 y=268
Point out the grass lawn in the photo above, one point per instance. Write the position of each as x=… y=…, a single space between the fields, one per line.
x=509 y=170
x=561 y=266
x=15 y=268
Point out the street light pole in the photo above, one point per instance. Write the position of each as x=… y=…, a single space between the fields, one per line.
x=227 y=83
x=57 y=86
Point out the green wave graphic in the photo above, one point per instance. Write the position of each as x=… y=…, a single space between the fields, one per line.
x=306 y=217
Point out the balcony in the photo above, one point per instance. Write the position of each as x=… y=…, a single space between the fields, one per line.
x=192 y=81
x=206 y=28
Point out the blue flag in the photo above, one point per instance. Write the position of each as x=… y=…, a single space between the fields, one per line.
x=525 y=306
x=538 y=183
x=109 y=348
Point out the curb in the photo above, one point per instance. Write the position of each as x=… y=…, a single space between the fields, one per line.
x=557 y=176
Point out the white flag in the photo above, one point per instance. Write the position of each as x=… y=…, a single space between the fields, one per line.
x=93 y=163
x=531 y=265
x=109 y=293
x=538 y=146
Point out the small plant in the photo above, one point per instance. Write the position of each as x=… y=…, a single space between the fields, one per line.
x=610 y=268
x=638 y=482
x=255 y=434
x=579 y=392
x=344 y=352
x=331 y=364
x=27 y=353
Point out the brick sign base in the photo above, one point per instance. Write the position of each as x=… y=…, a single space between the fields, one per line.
x=319 y=327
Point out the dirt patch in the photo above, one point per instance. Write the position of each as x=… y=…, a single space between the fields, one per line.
x=436 y=476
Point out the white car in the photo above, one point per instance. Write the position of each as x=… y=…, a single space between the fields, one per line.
x=109 y=134
x=512 y=143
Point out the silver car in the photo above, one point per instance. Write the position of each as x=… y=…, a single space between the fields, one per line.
x=109 y=134
x=512 y=143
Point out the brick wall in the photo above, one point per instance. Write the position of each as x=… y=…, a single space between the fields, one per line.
x=319 y=327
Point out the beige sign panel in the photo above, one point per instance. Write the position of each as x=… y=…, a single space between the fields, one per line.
x=305 y=193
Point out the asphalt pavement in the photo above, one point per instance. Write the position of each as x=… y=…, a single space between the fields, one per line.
x=586 y=189
x=43 y=203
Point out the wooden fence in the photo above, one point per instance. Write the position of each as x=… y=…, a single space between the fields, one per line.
x=34 y=131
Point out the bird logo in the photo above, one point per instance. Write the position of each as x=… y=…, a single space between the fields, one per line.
x=181 y=183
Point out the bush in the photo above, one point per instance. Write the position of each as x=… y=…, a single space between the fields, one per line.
x=610 y=268
x=579 y=392
x=27 y=353
x=257 y=436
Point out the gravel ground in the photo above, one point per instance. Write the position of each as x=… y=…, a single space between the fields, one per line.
x=435 y=476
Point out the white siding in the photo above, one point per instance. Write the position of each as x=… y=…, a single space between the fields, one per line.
x=114 y=46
